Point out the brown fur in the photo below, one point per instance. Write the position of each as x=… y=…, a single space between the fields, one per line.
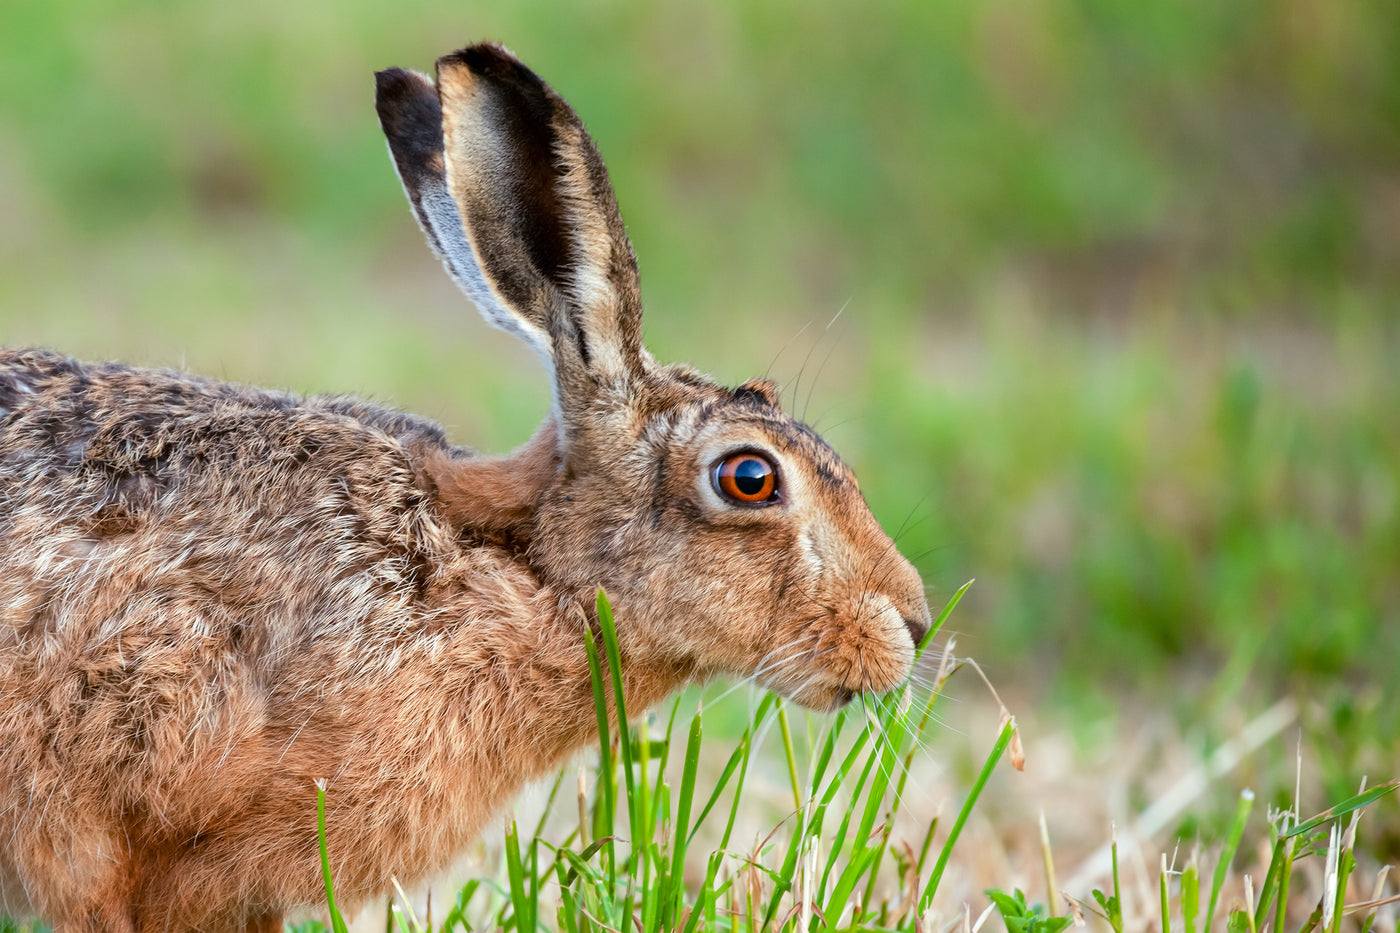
x=213 y=596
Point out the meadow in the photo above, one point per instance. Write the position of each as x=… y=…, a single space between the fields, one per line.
x=1101 y=301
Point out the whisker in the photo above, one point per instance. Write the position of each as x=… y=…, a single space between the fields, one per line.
x=783 y=349
x=820 y=367
x=751 y=680
x=873 y=723
x=902 y=525
x=763 y=661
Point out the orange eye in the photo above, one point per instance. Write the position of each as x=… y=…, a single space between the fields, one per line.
x=747 y=479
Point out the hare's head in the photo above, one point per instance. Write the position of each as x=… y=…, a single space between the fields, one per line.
x=730 y=537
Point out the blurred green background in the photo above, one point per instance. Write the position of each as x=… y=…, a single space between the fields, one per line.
x=1118 y=280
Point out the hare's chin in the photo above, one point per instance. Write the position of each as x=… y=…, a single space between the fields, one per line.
x=822 y=698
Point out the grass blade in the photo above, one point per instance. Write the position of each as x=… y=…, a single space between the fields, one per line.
x=337 y=921
x=1342 y=809
x=682 y=826
x=1190 y=897
x=839 y=840
x=1284 y=879
x=1271 y=877
x=1227 y=855
x=636 y=811
x=606 y=815
x=841 y=893
x=1003 y=740
x=1166 y=909
x=791 y=760
x=730 y=767
x=766 y=704
x=937 y=625
x=520 y=898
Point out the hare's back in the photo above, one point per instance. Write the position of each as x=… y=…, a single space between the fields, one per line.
x=136 y=502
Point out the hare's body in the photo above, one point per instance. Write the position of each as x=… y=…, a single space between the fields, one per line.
x=212 y=597
x=182 y=563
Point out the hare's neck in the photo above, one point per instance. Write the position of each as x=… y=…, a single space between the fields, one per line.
x=493 y=499
x=545 y=710
x=507 y=702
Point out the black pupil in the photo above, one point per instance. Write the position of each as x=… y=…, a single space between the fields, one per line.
x=749 y=476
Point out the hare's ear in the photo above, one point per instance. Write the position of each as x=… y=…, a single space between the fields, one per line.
x=514 y=198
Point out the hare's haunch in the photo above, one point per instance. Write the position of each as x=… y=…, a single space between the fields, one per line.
x=213 y=596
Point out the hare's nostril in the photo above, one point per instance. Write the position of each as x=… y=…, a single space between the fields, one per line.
x=917 y=630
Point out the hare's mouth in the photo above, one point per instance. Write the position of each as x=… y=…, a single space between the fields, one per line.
x=844 y=697
x=821 y=697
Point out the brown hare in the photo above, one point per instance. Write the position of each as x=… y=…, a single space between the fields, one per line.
x=212 y=596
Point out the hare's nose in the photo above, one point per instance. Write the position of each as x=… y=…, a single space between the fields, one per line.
x=916 y=615
x=918 y=628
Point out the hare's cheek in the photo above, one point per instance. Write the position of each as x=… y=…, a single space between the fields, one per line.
x=811 y=573
x=809 y=562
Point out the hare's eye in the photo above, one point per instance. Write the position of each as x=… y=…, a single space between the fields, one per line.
x=747 y=479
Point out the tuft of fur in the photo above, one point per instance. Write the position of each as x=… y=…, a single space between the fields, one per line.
x=213 y=596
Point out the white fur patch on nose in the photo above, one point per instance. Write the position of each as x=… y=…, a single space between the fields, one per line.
x=882 y=612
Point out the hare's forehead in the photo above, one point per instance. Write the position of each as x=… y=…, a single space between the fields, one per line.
x=709 y=429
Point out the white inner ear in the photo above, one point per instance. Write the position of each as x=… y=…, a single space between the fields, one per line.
x=460 y=259
x=593 y=294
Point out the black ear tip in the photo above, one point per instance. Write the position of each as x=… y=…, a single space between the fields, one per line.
x=394 y=82
x=482 y=57
x=759 y=391
x=405 y=100
x=490 y=60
